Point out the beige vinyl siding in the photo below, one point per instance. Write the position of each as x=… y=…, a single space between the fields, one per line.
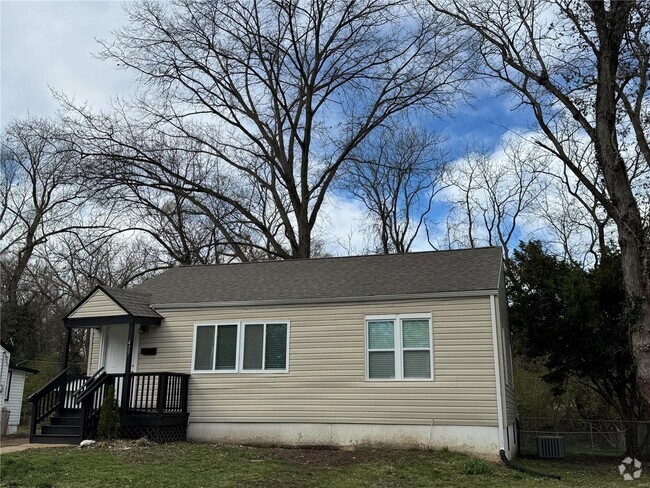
x=98 y=305
x=326 y=379
x=506 y=351
x=94 y=350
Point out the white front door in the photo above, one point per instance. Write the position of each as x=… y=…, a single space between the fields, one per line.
x=115 y=339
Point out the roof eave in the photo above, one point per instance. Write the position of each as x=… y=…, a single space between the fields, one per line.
x=24 y=369
x=310 y=301
x=97 y=322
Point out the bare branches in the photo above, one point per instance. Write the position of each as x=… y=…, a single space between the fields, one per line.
x=493 y=196
x=39 y=196
x=396 y=174
x=265 y=100
x=586 y=61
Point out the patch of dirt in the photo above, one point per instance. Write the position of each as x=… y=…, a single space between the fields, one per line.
x=328 y=457
x=11 y=440
x=123 y=444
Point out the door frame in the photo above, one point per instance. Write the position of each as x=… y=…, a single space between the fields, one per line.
x=102 y=347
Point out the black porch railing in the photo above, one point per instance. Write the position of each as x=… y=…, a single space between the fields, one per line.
x=157 y=392
x=147 y=395
x=56 y=395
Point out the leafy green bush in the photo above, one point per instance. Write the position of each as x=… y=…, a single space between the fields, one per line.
x=109 y=417
x=476 y=466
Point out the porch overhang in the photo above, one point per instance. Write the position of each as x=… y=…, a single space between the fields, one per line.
x=112 y=306
x=97 y=322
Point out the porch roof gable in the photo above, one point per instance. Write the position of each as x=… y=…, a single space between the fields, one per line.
x=107 y=305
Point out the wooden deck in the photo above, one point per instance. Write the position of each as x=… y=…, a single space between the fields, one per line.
x=151 y=405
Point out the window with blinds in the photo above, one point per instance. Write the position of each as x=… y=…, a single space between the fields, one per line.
x=215 y=347
x=265 y=347
x=241 y=347
x=399 y=347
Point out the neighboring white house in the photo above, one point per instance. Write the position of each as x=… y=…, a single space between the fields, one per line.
x=12 y=385
x=5 y=357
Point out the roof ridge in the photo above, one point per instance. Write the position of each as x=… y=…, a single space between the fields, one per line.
x=325 y=258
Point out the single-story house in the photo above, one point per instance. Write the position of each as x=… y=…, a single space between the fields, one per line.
x=12 y=384
x=405 y=350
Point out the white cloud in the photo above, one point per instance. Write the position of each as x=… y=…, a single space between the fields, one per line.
x=343 y=226
x=50 y=44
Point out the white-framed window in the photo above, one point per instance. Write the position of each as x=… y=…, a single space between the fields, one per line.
x=215 y=348
x=241 y=347
x=399 y=347
x=265 y=347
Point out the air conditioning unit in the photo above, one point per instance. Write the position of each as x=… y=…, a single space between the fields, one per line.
x=550 y=447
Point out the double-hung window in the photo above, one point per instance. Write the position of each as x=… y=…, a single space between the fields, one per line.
x=265 y=347
x=399 y=347
x=215 y=347
x=241 y=347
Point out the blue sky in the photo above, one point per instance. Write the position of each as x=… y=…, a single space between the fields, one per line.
x=483 y=121
x=49 y=45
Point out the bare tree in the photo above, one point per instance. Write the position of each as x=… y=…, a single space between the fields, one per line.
x=586 y=61
x=492 y=195
x=264 y=101
x=40 y=199
x=572 y=221
x=396 y=173
x=182 y=231
x=41 y=204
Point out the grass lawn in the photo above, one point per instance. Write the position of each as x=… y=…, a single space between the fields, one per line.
x=126 y=464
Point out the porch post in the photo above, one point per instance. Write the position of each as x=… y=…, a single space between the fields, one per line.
x=126 y=387
x=66 y=350
x=66 y=357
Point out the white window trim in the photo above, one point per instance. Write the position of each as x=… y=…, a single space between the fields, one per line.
x=244 y=323
x=398 y=349
x=239 y=355
x=216 y=333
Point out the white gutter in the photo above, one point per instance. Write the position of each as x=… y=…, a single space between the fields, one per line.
x=304 y=301
x=497 y=370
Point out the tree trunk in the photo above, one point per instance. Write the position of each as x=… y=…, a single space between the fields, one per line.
x=611 y=26
x=304 y=234
x=636 y=440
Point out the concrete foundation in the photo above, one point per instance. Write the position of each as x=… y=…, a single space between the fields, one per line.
x=479 y=441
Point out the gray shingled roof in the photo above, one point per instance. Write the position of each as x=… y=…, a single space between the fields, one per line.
x=466 y=270
x=134 y=302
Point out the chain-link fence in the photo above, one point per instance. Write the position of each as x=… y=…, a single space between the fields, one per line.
x=595 y=437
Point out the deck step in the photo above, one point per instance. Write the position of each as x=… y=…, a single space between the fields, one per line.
x=56 y=420
x=69 y=412
x=61 y=429
x=55 y=439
